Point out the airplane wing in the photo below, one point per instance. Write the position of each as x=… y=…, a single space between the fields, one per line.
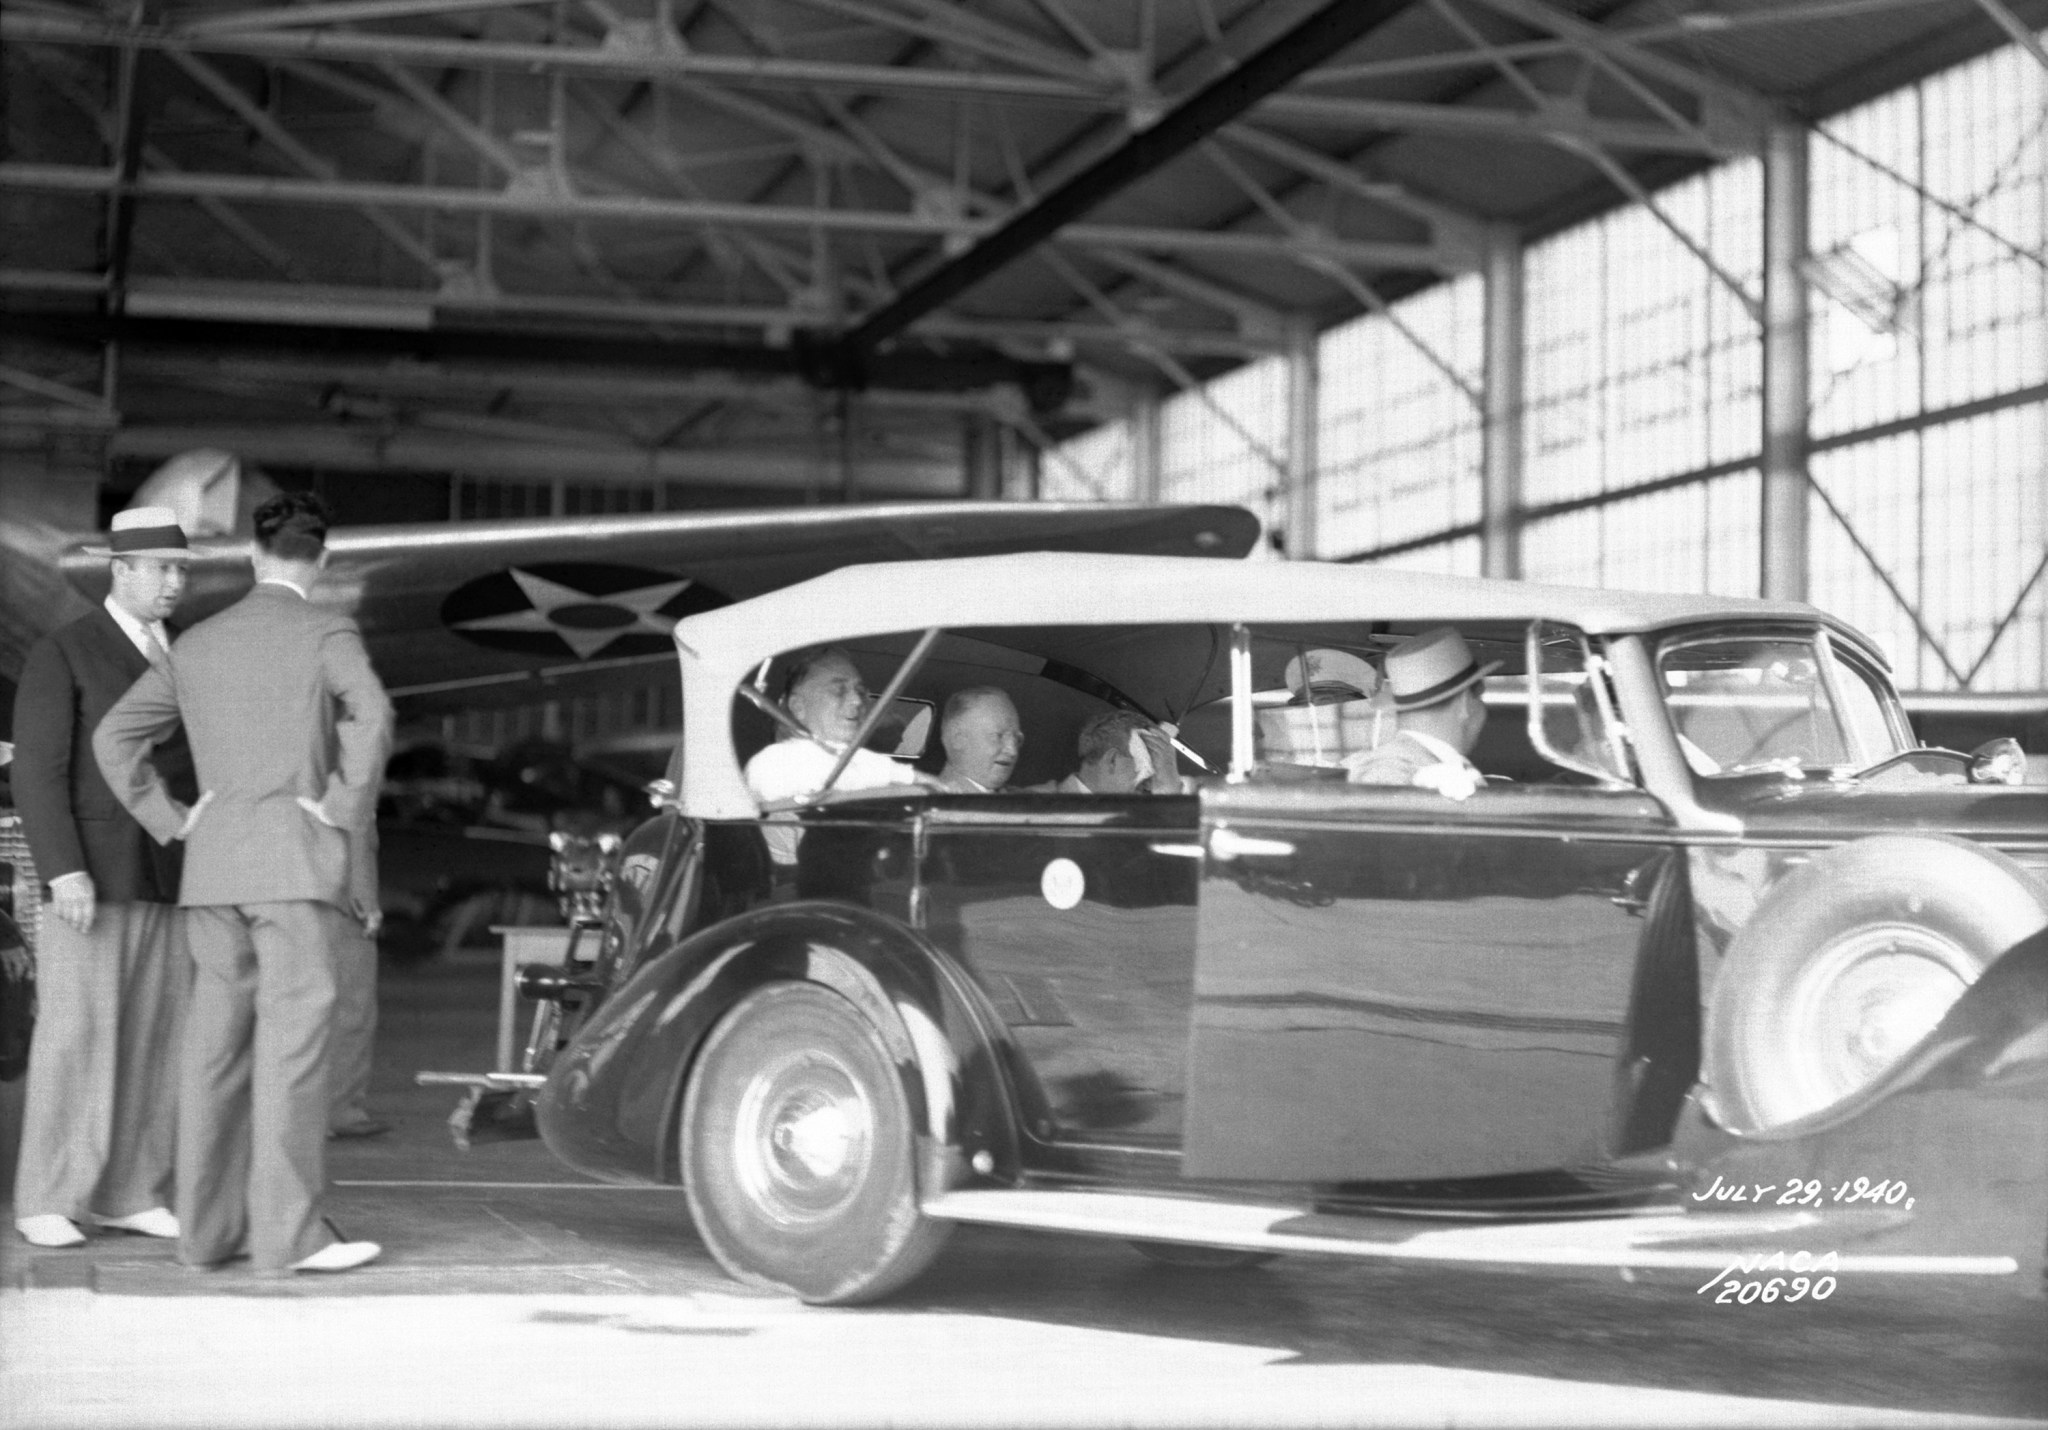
x=472 y=614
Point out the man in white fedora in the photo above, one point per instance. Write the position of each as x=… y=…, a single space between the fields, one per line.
x=1438 y=714
x=111 y=966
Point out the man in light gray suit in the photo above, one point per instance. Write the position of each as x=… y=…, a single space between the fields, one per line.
x=289 y=728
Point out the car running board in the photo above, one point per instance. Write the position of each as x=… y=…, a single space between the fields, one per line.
x=1707 y=1241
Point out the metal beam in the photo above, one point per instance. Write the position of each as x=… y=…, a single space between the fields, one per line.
x=2019 y=34
x=360 y=449
x=127 y=143
x=624 y=208
x=1322 y=34
x=266 y=127
x=1559 y=119
x=1623 y=180
x=1304 y=389
x=420 y=309
x=1174 y=371
x=1148 y=449
x=1783 y=562
x=2005 y=621
x=954 y=25
x=1714 y=471
x=653 y=61
x=960 y=368
x=1621 y=52
x=1369 y=298
x=254 y=239
x=335 y=12
x=1248 y=311
x=1500 y=491
x=1460 y=235
x=478 y=381
x=1884 y=577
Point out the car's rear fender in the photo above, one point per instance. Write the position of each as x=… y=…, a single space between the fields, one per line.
x=612 y=1105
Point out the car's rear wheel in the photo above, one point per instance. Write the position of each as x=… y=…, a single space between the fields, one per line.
x=1182 y=1256
x=1849 y=963
x=797 y=1151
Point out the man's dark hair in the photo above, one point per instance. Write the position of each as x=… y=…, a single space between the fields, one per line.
x=292 y=526
x=1111 y=730
x=807 y=661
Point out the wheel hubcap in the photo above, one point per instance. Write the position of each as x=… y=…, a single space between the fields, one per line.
x=804 y=1138
x=1862 y=1004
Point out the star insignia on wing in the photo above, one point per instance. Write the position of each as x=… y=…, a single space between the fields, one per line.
x=586 y=622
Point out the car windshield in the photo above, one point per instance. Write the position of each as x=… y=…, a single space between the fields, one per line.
x=1741 y=703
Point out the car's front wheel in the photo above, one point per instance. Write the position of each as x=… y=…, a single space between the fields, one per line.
x=797 y=1151
x=1849 y=963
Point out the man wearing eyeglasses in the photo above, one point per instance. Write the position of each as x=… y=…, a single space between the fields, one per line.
x=826 y=695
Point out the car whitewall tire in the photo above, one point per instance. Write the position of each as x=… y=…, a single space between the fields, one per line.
x=797 y=1149
x=1849 y=963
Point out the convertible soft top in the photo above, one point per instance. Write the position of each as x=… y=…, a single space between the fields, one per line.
x=721 y=648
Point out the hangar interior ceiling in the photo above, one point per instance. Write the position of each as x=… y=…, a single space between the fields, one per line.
x=749 y=250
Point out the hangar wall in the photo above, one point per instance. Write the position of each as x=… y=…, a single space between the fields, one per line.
x=1641 y=403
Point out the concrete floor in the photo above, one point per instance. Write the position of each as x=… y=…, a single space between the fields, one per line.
x=514 y=1293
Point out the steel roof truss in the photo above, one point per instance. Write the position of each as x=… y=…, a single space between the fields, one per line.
x=1179 y=375
x=296 y=153
x=953 y=25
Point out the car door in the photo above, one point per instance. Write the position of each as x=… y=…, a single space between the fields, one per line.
x=1393 y=985
x=1076 y=915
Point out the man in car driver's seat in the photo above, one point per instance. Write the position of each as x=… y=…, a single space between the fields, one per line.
x=1123 y=753
x=1438 y=714
x=983 y=737
x=825 y=693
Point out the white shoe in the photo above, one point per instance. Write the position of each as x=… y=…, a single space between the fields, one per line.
x=339 y=1256
x=49 y=1230
x=157 y=1221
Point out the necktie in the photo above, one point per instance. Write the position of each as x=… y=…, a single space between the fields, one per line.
x=159 y=656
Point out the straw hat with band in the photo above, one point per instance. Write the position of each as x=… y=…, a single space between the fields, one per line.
x=1433 y=667
x=145 y=531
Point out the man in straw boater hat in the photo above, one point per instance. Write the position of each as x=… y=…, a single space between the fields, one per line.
x=112 y=973
x=289 y=728
x=1438 y=714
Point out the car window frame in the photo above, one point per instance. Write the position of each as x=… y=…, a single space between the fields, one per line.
x=1827 y=649
x=1599 y=673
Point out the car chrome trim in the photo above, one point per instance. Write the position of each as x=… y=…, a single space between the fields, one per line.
x=493 y=1081
x=1226 y=844
x=1647 y=1240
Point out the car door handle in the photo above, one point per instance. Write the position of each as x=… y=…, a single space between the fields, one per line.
x=1227 y=844
x=1178 y=851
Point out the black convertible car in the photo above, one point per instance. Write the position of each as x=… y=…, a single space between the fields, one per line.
x=1717 y=964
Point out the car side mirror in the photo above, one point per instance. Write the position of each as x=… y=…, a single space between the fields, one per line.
x=1998 y=762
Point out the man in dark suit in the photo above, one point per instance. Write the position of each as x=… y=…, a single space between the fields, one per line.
x=289 y=728
x=97 y=1127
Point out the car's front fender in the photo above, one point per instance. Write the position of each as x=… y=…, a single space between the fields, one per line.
x=1952 y=1139
x=612 y=1103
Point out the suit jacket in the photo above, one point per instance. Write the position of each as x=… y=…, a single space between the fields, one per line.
x=279 y=702
x=72 y=819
